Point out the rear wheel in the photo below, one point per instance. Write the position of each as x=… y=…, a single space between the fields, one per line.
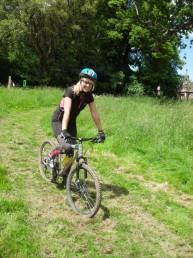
x=84 y=191
x=45 y=170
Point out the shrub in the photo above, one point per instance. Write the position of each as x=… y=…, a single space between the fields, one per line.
x=135 y=88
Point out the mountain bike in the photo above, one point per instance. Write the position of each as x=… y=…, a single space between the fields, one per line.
x=82 y=185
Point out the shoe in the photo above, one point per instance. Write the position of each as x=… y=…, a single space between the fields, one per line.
x=49 y=162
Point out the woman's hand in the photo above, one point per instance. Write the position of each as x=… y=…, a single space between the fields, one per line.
x=101 y=136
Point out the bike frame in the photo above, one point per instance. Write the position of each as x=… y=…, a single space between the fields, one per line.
x=83 y=197
x=78 y=147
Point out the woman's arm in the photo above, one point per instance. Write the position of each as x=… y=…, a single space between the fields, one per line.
x=67 y=108
x=95 y=115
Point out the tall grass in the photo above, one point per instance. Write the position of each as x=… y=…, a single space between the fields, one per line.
x=154 y=134
x=15 y=99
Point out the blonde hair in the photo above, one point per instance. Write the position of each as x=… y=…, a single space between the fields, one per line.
x=77 y=88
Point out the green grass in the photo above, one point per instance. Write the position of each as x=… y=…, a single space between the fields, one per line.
x=163 y=207
x=147 y=138
x=155 y=135
x=15 y=100
x=5 y=184
x=16 y=238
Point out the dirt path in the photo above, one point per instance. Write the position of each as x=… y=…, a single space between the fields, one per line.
x=59 y=231
x=179 y=197
x=46 y=203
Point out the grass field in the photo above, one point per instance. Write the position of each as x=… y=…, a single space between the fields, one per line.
x=146 y=170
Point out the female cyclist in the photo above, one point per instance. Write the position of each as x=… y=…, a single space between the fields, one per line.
x=74 y=100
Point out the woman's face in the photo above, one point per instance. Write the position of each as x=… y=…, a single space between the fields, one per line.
x=86 y=84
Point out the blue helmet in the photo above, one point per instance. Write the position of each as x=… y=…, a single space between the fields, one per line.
x=88 y=73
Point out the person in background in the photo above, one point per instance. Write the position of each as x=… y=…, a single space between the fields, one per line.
x=74 y=100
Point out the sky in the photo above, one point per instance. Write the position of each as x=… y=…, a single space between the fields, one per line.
x=188 y=53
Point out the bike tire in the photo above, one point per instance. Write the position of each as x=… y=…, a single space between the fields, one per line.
x=45 y=171
x=84 y=191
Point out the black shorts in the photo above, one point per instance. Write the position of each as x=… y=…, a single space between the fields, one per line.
x=57 y=124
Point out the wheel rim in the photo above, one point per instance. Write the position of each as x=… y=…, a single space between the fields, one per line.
x=83 y=192
x=45 y=170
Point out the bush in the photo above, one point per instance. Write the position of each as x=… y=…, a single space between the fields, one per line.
x=135 y=88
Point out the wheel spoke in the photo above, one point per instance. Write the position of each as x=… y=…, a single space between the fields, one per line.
x=90 y=202
x=45 y=171
x=83 y=191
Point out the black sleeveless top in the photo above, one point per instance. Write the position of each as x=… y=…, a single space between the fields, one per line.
x=78 y=103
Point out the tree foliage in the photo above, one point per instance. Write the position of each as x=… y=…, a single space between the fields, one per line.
x=48 y=42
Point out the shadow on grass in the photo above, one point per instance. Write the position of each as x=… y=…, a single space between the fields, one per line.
x=61 y=186
x=106 y=212
x=114 y=190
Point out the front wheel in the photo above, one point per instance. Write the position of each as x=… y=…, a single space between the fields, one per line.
x=84 y=191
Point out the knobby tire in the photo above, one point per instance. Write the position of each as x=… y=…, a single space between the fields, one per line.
x=81 y=191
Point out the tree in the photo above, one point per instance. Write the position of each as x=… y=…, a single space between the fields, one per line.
x=48 y=42
x=151 y=31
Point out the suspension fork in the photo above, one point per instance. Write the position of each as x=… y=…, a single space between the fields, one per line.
x=80 y=160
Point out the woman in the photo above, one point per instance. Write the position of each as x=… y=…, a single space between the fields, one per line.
x=73 y=102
